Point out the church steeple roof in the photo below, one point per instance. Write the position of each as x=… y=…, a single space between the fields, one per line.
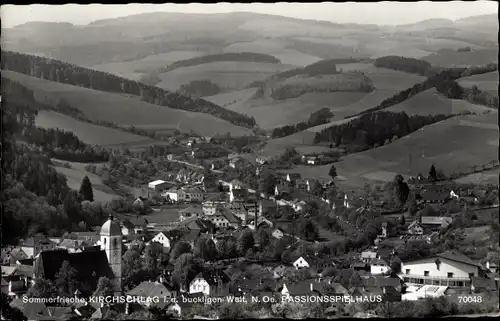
x=111 y=227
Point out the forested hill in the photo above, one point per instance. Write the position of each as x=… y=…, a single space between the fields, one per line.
x=59 y=71
x=236 y=56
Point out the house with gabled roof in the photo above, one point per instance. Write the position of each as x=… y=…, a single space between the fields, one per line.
x=190 y=212
x=147 y=291
x=34 y=245
x=208 y=282
x=451 y=268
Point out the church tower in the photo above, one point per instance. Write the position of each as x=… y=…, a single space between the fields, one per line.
x=111 y=242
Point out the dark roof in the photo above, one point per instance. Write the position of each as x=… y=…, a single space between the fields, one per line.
x=295 y=176
x=230 y=217
x=213 y=276
x=434 y=195
x=240 y=194
x=192 y=209
x=382 y=281
x=190 y=236
x=91 y=265
x=128 y=224
x=457 y=257
x=149 y=289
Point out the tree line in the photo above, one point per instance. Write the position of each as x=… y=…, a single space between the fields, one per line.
x=199 y=88
x=58 y=71
x=411 y=65
x=35 y=197
x=231 y=56
x=375 y=129
x=323 y=67
x=319 y=117
x=444 y=80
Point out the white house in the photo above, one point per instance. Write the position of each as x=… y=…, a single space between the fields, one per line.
x=175 y=194
x=415 y=229
x=368 y=256
x=211 y=207
x=162 y=239
x=207 y=283
x=346 y=202
x=301 y=263
x=453 y=195
x=450 y=268
x=379 y=266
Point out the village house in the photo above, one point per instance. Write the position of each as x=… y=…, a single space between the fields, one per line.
x=208 y=283
x=433 y=196
x=309 y=261
x=225 y=218
x=434 y=223
x=415 y=228
x=237 y=163
x=378 y=266
x=175 y=194
x=160 y=185
x=149 y=290
x=162 y=239
x=211 y=207
x=277 y=233
x=128 y=228
x=139 y=202
x=197 y=224
x=36 y=244
x=89 y=237
x=450 y=268
x=293 y=178
x=193 y=194
x=310 y=160
x=192 y=211
x=368 y=256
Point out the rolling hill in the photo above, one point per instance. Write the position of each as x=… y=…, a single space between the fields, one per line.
x=227 y=74
x=485 y=82
x=453 y=145
x=450 y=59
x=123 y=110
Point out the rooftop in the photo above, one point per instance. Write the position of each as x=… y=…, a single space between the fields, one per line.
x=157 y=182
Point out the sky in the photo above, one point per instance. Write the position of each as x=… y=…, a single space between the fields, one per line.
x=381 y=13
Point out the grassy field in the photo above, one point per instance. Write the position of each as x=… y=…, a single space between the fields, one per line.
x=226 y=74
x=382 y=78
x=454 y=144
x=296 y=58
x=232 y=97
x=462 y=59
x=486 y=178
x=485 y=82
x=477 y=233
x=122 y=110
x=430 y=102
x=75 y=174
x=265 y=46
x=89 y=133
x=135 y=69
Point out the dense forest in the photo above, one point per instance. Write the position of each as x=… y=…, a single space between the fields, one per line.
x=476 y=96
x=445 y=83
x=62 y=72
x=35 y=198
x=319 y=117
x=411 y=65
x=236 y=56
x=375 y=129
x=199 y=88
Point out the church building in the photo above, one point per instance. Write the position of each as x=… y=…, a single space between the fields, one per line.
x=90 y=264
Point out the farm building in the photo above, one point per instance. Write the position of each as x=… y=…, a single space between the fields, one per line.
x=159 y=185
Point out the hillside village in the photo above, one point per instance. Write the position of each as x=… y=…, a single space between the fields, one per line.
x=225 y=240
x=249 y=166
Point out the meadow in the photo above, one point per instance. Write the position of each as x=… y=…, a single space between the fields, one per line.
x=484 y=178
x=463 y=59
x=76 y=173
x=135 y=69
x=126 y=111
x=485 y=82
x=89 y=133
x=453 y=145
x=226 y=74
x=431 y=102
x=382 y=78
